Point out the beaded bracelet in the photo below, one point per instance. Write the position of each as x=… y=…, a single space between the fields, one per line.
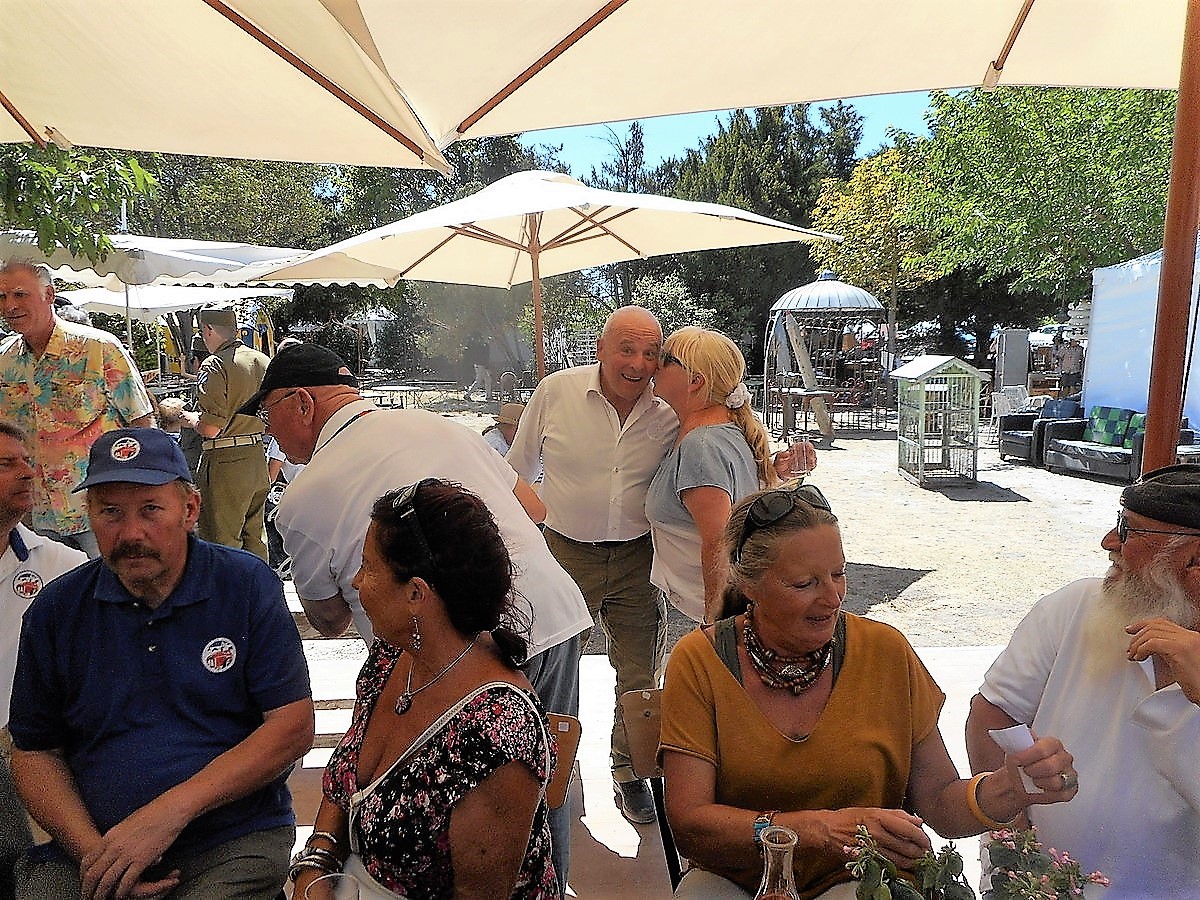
x=977 y=811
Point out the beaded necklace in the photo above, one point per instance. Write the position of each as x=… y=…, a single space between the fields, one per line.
x=794 y=673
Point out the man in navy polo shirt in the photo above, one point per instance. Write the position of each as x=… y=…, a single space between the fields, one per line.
x=160 y=699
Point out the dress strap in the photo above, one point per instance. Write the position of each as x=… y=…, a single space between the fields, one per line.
x=725 y=643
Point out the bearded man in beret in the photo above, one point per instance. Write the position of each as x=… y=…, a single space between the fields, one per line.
x=1112 y=668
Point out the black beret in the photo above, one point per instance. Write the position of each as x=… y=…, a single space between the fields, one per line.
x=1170 y=495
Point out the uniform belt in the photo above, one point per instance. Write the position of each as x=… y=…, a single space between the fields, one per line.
x=239 y=440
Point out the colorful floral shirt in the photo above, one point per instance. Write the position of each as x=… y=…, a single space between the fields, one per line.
x=83 y=385
x=402 y=826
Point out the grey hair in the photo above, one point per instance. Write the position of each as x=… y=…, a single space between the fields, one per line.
x=42 y=273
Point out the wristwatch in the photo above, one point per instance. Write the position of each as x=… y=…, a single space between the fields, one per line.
x=762 y=822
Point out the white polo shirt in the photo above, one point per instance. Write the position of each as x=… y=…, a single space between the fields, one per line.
x=359 y=457
x=597 y=470
x=1136 y=817
x=20 y=581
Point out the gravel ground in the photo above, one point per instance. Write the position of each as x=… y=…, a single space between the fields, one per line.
x=958 y=565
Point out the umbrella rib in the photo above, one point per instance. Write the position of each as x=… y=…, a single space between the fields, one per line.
x=577 y=232
x=22 y=121
x=303 y=67
x=556 y=51
x=996 y=67
x=469 y=230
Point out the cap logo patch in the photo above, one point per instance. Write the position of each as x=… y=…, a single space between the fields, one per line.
x=219 y=655
x=26 y=584
x=125 y=449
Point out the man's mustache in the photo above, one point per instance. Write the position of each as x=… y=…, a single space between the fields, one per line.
x=132 y=551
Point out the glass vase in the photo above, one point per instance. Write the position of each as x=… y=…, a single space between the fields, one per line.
x=778 y=881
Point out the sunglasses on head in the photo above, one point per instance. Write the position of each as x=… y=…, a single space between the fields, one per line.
x=771 y=506
x=404 y=503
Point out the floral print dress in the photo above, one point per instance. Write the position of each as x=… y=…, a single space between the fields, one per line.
x=400 y=823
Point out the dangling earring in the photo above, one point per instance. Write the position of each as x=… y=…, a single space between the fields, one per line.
x=415 y=642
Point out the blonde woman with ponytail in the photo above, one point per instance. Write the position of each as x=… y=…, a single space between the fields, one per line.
x=722 y=454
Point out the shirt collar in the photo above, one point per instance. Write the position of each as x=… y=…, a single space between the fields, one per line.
x=18 y=545
x=340 y=420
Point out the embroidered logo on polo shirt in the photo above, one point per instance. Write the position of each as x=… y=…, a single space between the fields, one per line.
x=26 y=584
x=125 y=449
x=219 y=655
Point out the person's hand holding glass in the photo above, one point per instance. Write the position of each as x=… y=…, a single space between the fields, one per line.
x=797 y=461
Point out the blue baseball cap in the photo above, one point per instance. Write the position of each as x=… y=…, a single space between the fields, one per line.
x=137 y=456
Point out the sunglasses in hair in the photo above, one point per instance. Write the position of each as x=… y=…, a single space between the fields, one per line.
x=1124 y=530
x=771 y=506
x=404 y=503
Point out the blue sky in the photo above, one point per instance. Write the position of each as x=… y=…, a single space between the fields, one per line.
x=586 y=146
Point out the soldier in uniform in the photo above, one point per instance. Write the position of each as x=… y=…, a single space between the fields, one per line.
x=233 y=466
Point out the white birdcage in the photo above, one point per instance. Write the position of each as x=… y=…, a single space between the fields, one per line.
x=938 y=427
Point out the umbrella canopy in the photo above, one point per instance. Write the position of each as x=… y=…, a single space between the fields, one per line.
x=139 y=259
x=252 y=79
x=149 y=301
x=532 y=224
x=575 y=62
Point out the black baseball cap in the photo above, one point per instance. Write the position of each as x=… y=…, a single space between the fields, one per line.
x=300 y=365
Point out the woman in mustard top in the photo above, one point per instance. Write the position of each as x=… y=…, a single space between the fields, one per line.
x=792 y=711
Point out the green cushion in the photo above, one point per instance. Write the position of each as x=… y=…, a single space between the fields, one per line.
x=1107 y=425
x=1137 y=425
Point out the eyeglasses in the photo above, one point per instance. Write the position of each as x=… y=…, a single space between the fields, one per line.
x=666 y=358
x=771 y=506
x=264 y=411
x=403 y=503
x=1124 y=530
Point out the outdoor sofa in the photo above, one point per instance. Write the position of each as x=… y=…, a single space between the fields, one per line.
x=1107 y=443
x=1023 y=434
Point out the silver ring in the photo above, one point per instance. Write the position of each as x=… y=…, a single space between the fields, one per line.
x=1069 y=780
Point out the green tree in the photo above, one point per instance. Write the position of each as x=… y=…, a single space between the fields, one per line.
x=1046 y=185
x=881 y=250
x=259 y=202
x=769 y=161
x=966 y=300
x=68 y=197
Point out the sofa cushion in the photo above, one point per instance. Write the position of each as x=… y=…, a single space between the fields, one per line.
x=1107 y=425
x=1137 y=425
x=1092 y=450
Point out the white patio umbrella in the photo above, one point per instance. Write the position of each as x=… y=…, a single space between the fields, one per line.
x=532 y=224
x=253 y=79
x=508 y=66
x=137 y=259
x=146 y=302
x=141 y=259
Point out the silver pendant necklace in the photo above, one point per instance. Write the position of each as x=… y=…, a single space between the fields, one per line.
x=405 y=700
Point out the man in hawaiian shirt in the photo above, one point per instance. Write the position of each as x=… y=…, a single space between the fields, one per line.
x=64 y=385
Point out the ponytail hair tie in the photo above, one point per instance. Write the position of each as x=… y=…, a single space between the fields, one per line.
x=738 y=397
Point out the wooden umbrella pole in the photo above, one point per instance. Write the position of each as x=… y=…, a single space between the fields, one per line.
x=1179 y=258
x=539 y=342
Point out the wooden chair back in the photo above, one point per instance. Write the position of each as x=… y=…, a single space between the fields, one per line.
x=566 y=731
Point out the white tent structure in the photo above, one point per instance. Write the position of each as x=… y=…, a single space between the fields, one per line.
x=1121 y=338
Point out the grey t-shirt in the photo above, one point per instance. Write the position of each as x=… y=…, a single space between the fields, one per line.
x=709 y=456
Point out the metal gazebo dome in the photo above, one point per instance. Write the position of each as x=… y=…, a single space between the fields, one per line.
x=837 y=324
x=825 y=295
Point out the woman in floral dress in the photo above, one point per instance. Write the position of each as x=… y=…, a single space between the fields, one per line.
x=438 y=788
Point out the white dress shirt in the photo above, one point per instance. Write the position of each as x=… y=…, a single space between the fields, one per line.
x=597 y=469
